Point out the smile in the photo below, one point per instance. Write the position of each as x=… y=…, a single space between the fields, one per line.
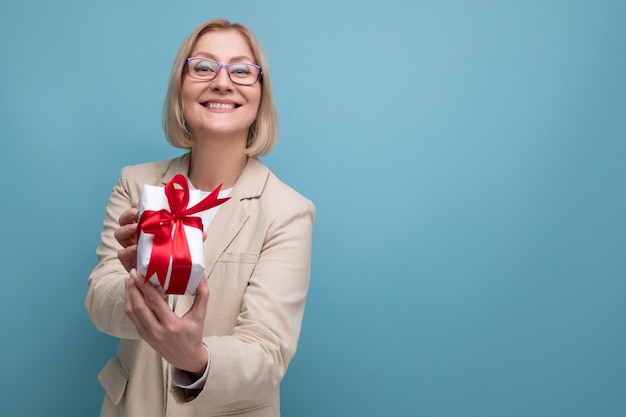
x=221 y=106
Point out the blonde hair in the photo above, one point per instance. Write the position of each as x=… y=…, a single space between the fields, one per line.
x=262 y=134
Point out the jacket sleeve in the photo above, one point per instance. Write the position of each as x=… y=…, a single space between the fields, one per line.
x=105 y=297
x=250 y=362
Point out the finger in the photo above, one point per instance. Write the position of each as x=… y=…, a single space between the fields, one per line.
x=128 y=257
x=154 y=298
x=131 y=297
x=126 y=235
x=142 y=309
x=134 y=295
x=129 y=216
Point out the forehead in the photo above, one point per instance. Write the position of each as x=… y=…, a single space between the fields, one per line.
x=224 y=45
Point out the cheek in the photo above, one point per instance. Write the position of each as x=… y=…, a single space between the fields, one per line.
x=185 y=93
x=188 y=90
x=256 y=99
x=188 y=99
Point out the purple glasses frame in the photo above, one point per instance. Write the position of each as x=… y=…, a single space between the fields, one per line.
x=219 y=67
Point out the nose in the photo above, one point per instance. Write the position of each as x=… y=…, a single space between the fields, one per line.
x=222 y=80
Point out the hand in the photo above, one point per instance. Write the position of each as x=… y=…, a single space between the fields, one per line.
x=177 y=339
x=126 y=235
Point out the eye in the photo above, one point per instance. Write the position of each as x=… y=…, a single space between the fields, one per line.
x=203 y=66
x=242 y=70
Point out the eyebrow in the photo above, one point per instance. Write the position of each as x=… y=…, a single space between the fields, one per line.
x=238 y=58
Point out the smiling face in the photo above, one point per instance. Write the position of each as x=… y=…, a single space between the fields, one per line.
x=220 y=107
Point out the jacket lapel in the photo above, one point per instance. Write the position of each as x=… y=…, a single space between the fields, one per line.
x=178 y=166
x=232 y=215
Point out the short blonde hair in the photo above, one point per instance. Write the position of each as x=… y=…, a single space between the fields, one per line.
x=264 y=130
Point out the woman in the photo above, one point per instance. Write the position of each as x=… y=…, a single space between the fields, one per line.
x=226 y=350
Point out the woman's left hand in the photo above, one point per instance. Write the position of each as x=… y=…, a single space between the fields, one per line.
x=177 y=339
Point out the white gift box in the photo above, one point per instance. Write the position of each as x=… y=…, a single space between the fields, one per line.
x=154 y=199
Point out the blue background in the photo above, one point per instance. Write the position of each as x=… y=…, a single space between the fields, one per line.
x=467 y=160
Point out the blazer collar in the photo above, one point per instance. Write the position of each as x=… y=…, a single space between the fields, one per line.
x=179 y=165
x=249 y=185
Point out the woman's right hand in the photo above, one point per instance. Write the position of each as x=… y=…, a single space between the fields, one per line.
x=126 y=235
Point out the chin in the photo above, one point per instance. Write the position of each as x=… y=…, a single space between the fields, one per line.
x=224 y=131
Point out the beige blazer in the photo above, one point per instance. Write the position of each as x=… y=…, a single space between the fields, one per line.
x=257 y=255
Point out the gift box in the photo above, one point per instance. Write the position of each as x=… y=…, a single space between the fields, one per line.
x=169 y=236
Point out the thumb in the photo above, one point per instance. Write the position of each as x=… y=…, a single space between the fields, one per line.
x=197 y=311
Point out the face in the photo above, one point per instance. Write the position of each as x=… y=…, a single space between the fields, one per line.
x=219 y=106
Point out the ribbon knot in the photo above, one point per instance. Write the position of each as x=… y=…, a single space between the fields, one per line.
x=170 y=240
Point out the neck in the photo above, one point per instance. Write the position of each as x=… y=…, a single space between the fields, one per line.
x=215 y=163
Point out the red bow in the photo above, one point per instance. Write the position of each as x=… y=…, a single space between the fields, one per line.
x=170 y=240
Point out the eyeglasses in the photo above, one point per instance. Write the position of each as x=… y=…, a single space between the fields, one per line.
x=205 y=69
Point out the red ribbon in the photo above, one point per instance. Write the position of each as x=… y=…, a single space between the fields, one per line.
x=170 y=240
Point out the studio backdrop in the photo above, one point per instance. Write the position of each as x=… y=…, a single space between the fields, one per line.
x=467 y=162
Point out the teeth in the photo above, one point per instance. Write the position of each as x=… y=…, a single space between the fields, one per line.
x=220 y=106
